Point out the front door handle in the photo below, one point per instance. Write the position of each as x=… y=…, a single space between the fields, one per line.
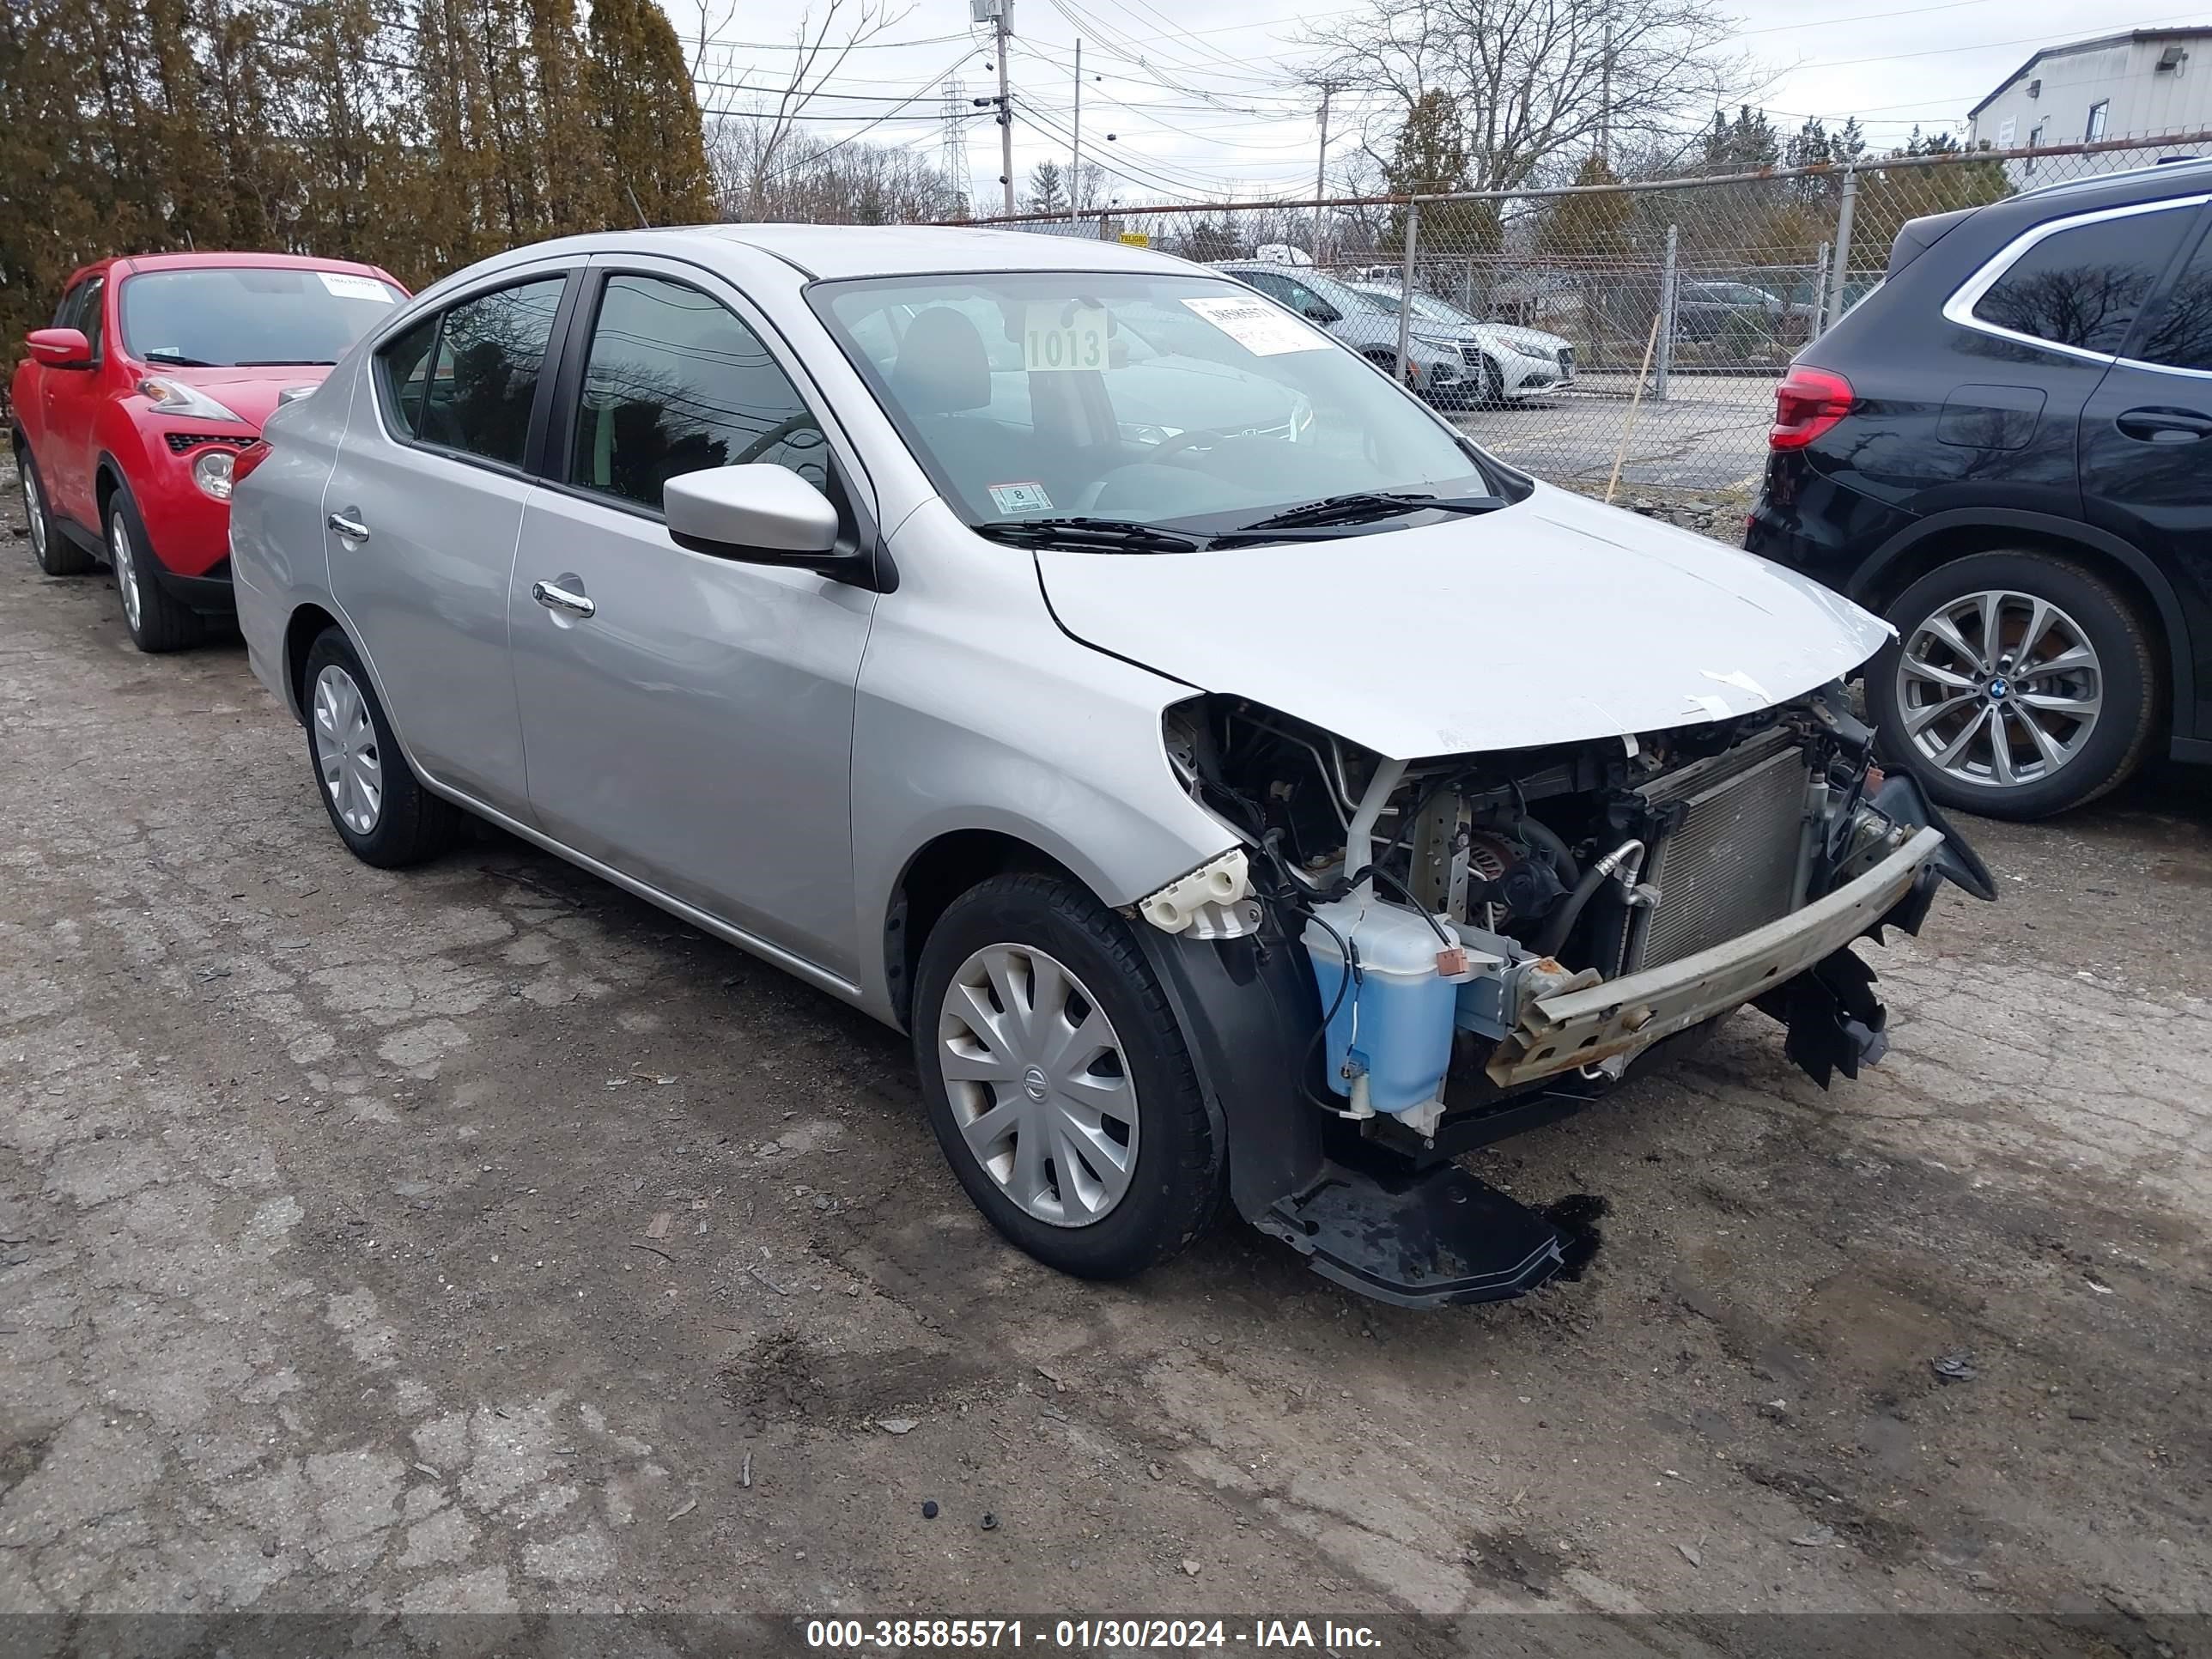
x=351 y=528
x=2165 y=426
x=560 y=599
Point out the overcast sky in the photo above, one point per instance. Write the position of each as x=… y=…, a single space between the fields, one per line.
x=1203 y=96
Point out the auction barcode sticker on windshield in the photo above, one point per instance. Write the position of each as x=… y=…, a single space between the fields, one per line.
x=343 y=286
x=1263 y=330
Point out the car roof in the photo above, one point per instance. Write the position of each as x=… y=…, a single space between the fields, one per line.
x=132 y=264
x=834 y=252
x=2180 y=176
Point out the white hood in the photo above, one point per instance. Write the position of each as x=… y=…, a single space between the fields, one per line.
x=1551 y=621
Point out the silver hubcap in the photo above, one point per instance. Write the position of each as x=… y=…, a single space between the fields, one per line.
x=345 y=750
x=1038 y=1084
x=1998 y=689
x=32 y=511
x=126 y=572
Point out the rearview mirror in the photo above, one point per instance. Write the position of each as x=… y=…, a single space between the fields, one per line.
x=60 y=348
x=759 y=513
x=1325 y=314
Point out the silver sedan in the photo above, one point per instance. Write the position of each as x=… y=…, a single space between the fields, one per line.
x=1241 y=787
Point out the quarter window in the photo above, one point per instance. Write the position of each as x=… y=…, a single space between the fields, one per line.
x=467 y=381
x=675 y=383
x=2180 y=334
x=2084 y=287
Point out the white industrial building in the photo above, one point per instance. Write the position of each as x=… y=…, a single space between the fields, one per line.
x=2145 y=83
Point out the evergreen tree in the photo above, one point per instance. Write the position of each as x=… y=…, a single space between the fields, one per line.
x=649 y=114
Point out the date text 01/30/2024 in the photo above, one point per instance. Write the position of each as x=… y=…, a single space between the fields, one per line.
x=1079 y=1635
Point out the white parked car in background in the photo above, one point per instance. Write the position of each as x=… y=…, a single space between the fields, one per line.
x=1505 y=363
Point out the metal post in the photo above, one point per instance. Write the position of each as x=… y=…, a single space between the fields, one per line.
x=1843 y=266
x=1321 y=171
x=1665 y=362
x=1003 y=30
x=1075 y=144
x=1406 y=289
x=1819 y=290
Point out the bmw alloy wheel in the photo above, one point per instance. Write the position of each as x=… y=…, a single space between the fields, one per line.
x=346 y=753
x=126 y=572
x=1039 y=1085
x=36 y=510
x=1998 y=689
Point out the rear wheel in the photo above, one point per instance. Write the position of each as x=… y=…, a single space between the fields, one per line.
x=2019 y=684
x=57 y=554
x=157 y=620
x=1057 y=1082
x=377 y=804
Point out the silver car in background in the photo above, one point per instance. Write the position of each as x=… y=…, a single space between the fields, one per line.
x=1505 y=362
x=1241 y=787
x=1436 y=367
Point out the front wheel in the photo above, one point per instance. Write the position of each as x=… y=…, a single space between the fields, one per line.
x=2019 y=684
x=1058 y=1081
x=157 y=620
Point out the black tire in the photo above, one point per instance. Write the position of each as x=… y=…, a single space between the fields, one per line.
x=158 y=621
x=1176 y=1190
x=2132 y=688
x=411 y=825
x=53 y=551
x=1491 y=381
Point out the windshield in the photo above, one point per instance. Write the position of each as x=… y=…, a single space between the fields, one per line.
x=1189 y=403
x=1427 y=307
x=221 y=317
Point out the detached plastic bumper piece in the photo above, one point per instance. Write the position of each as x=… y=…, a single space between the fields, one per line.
x=1422 y=1241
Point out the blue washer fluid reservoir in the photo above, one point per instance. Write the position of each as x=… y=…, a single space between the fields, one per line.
x=1393 y=1025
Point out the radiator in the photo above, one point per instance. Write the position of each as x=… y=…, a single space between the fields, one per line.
x=1736 y=859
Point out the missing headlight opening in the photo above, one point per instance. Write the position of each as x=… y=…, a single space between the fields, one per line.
x=1484 y=926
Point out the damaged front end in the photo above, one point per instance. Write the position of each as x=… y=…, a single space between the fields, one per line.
x=1402 y=961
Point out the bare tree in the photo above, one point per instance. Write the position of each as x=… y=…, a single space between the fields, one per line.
x=776 y=104
x=1540 y=84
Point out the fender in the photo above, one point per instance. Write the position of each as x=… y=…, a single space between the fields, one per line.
x=2171 y=618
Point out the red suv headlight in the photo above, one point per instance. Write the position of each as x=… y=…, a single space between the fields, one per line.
x=1807 y=402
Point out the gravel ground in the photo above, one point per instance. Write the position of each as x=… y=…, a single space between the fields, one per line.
x=479 y=1238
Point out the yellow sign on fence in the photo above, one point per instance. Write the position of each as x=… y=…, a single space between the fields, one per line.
x=1135 y=239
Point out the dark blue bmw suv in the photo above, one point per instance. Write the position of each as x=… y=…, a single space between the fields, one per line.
x=2006 y=449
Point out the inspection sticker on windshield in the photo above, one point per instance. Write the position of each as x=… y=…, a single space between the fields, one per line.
x=354 y=288
x=1063 y=336
x=1263 y=330
x=1020 y=498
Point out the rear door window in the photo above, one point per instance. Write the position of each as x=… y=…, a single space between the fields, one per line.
x=2083 y=287
x=2180 y=333
x=467 y=379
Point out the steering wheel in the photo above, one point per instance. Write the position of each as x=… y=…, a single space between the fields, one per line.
x=1183 y=441
x=775 y=434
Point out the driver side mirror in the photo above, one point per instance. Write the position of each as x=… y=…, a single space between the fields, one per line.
x=758 y=513
x=60 y=348
x=1324 y=313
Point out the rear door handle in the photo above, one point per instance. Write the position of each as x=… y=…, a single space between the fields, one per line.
x=2165 y=426
x=560 y=599
x=352 y=528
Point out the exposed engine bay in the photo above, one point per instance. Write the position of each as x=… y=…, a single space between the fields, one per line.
x=1479 y=926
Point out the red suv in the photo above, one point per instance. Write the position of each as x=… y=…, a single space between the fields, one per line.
x=130 y=412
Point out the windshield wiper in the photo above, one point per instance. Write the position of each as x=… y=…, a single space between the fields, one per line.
x=1364 y=507
x=163 y=354
x=285 y=362
x=1103 y=535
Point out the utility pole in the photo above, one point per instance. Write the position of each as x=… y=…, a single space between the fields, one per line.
x=1320 y=168
x=1075 y=148
x=1605 y=99
x=1000 y=12
x=1004 y=29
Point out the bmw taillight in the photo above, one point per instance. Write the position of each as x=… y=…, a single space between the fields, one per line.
x=246 y=462
x=1808 y=402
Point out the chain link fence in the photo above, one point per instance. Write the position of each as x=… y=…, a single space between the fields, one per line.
x=1605 y=336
